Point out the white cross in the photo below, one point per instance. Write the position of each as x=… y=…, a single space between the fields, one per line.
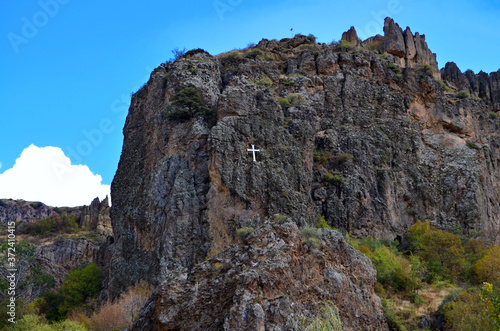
x=253 y=150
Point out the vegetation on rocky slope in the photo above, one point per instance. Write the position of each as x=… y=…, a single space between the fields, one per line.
x=413 y=274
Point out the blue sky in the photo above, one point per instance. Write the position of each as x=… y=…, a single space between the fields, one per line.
x=68 y=67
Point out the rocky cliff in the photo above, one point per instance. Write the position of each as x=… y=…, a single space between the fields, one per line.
x=25 y=212
x=95 y=216
x=360 y=132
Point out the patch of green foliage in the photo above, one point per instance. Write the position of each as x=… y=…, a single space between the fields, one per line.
x=65 y=223
x=288 y=82
x=311 y=236
x=311 y=37
x=322 y=224
x=280 y=218
x=81 y=284
x=493 y=115
x=233 y=56
x=256 y=54
x=188 y=103
x=425 y=70
x=463 y=95
x=264 y=82
x=466 y=311
x=244 y=232
x=444 y=87
x=192 y=52
x=345 y=46
x=472 y=145
x=334 y=178
x=395 y=69
x=291 y=100
x=320 y=156
x=33 y=322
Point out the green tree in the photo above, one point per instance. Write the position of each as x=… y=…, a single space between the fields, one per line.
x=490 y=295
x=487 y=269
x=81 y=284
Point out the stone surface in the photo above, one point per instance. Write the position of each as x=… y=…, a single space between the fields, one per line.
x=25 y=212
x=351 y=36
x=95 y=217
x=393 y=42
x=268 y=283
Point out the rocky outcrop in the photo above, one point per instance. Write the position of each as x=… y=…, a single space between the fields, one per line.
x=273 y=281
x=95 y=217
x=343 y=133
x=25 y=212
x=484 y=86
x=351 y=36
x=60 y=257
x=410 y=50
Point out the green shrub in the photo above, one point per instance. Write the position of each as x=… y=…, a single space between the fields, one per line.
x=192 y=52
x=54 y=224
x=442 y=251
x=188 y=103
x=255 y=54
x=472 y=145
x=344 y=158
x=280 y=218
x=311 y=236
x=32 y=322
x=493 y=115
x=444 y=87
x=425 y=70
x=233 y=56
x=322 y=224
x=395 y=69
x=288 y=82
x=463 y=95
x=264 y=82
x=311 y=37
x=487 y=268
x=466 y=311
x=80 y=285
x=320 y=156
x=345 y=46
x=490 y=296
x=291 y=100
x=244 y=232
x=333 y=177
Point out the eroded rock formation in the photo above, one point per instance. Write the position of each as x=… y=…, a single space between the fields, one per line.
x=366 y=137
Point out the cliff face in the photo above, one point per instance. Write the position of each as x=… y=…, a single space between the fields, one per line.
x=368 y=139
x=25 y=212
x=273 y=281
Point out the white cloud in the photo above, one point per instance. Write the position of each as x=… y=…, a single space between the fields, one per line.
x=45 y=174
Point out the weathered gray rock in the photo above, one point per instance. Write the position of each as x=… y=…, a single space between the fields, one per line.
x=95 y=217
x=452 y=74
x=351 y=36
x=393 y=42
x=269 y=283
x=25 y=212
